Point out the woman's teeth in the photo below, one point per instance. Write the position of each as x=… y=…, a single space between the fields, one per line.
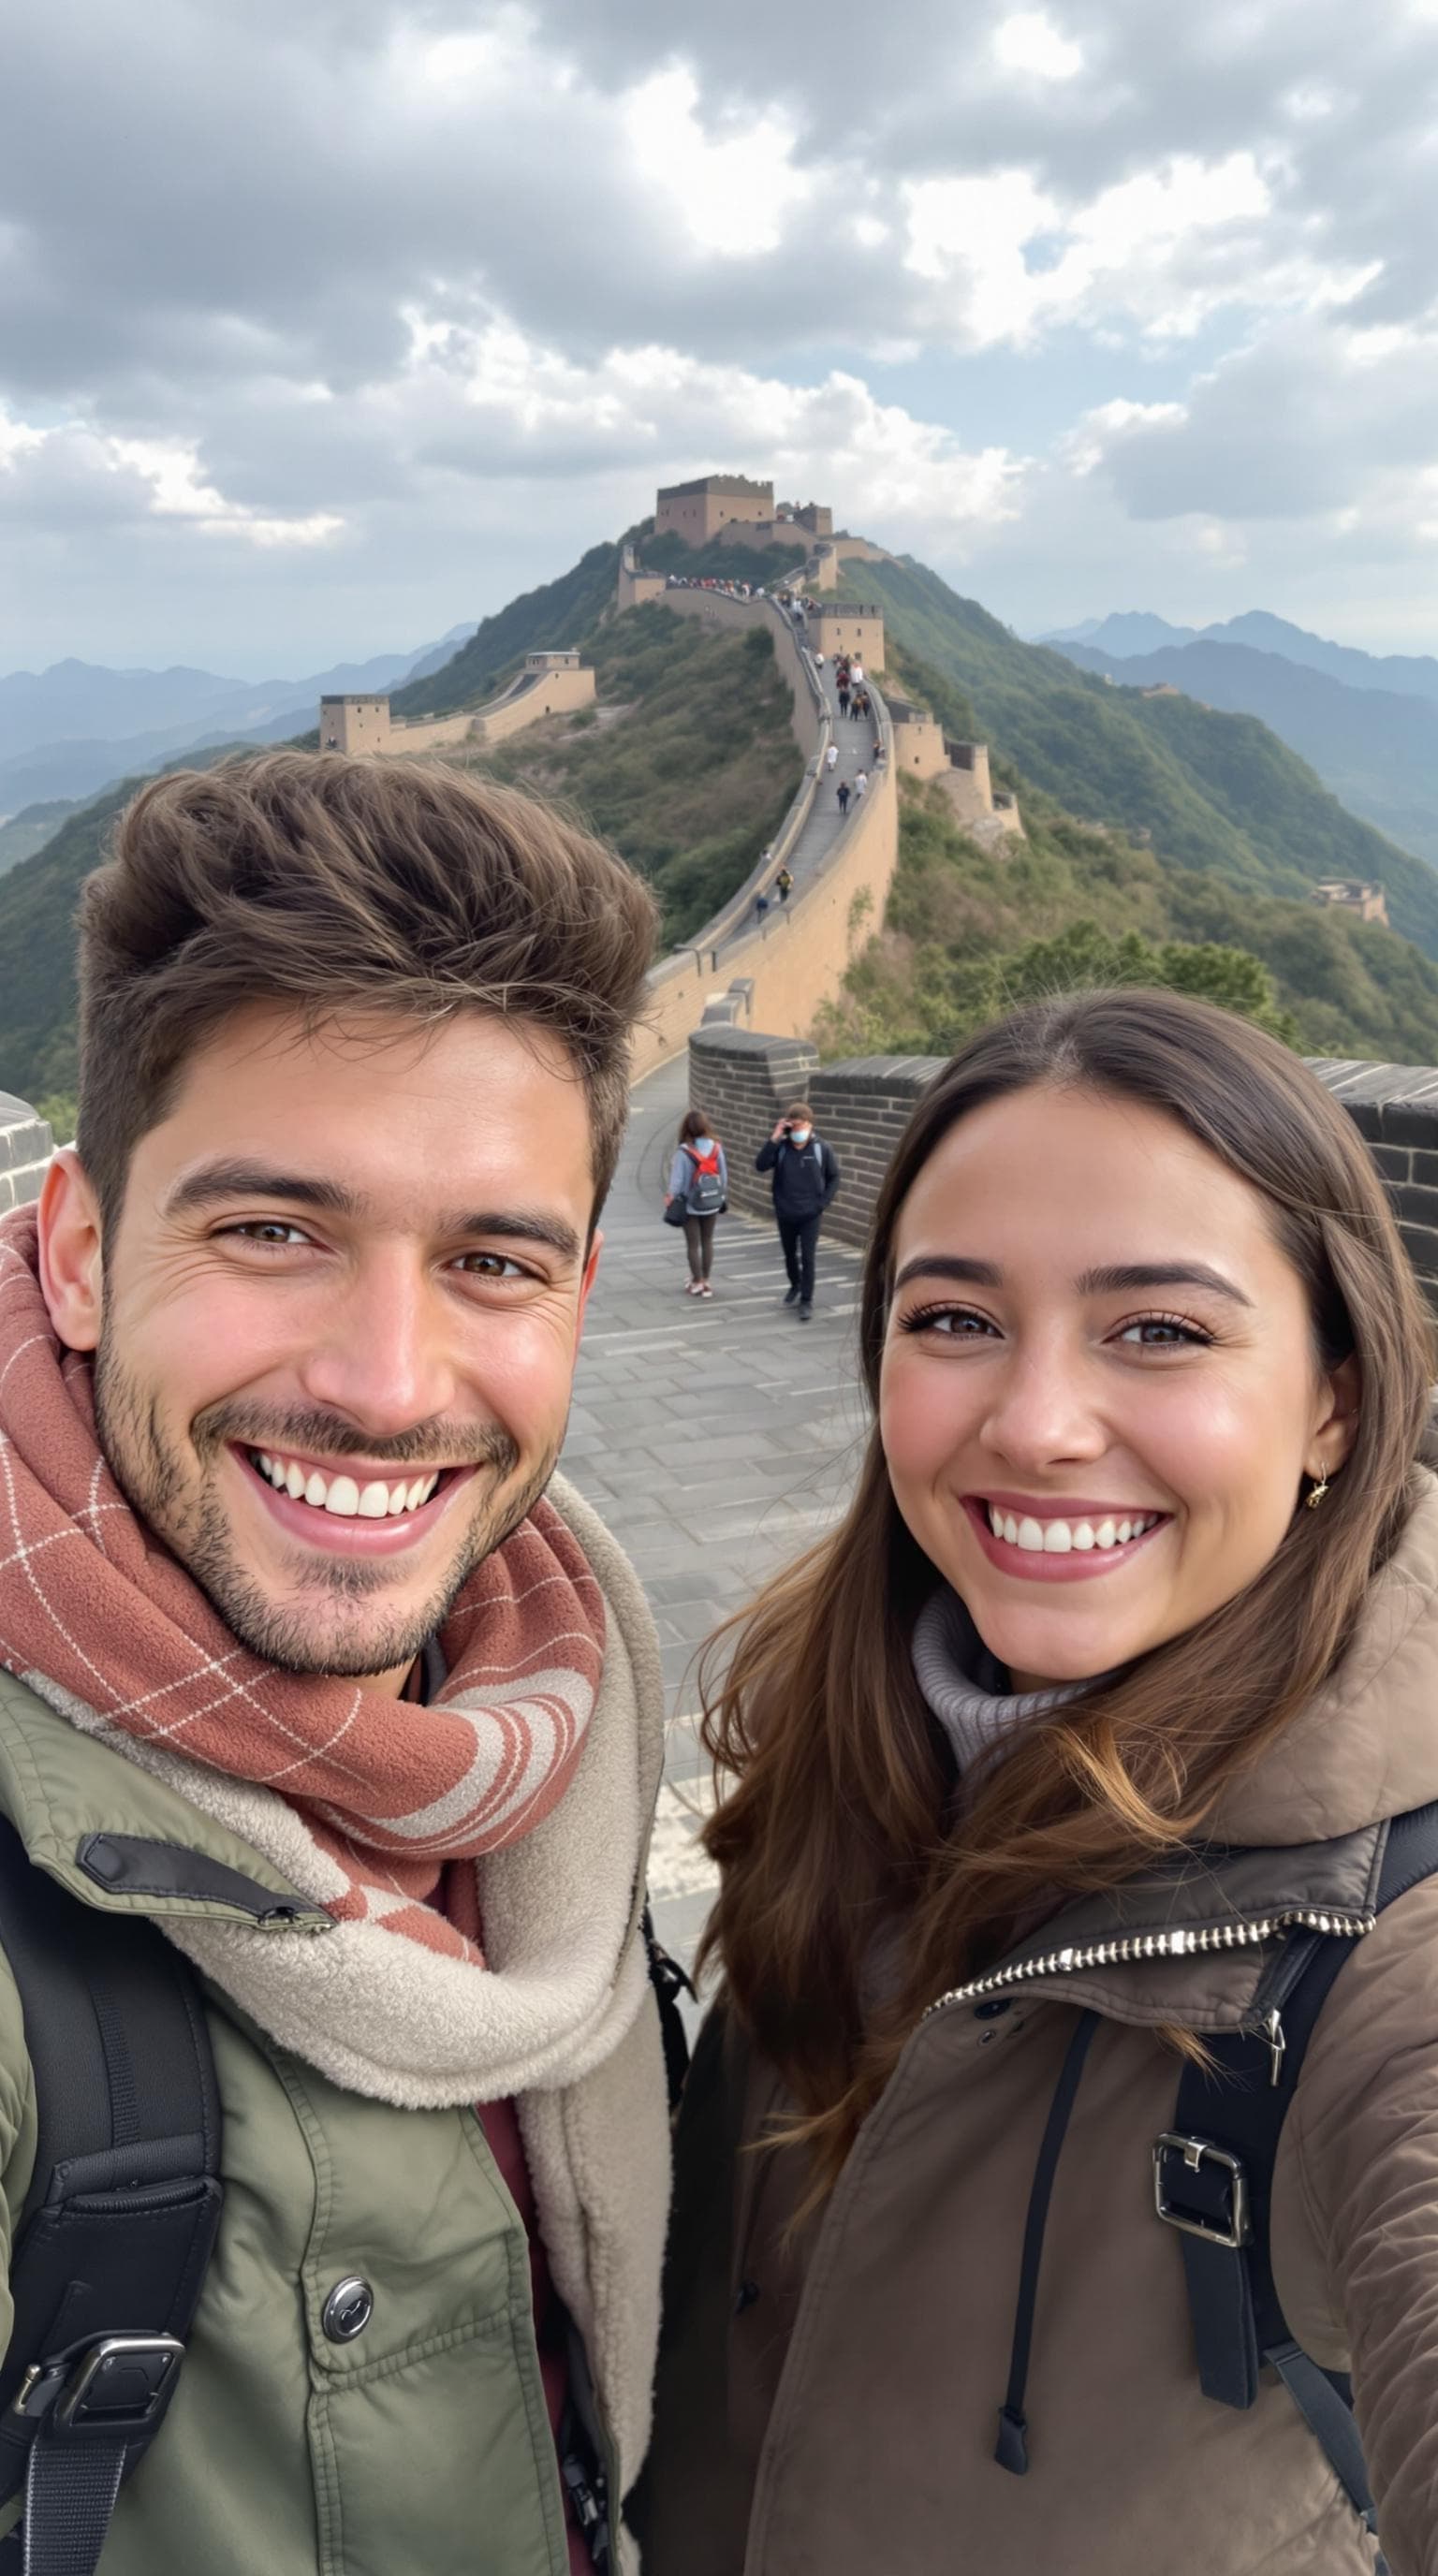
x=373 y=1502
x=1058 y=1538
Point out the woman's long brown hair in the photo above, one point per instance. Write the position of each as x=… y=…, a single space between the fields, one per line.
x=837 y=1826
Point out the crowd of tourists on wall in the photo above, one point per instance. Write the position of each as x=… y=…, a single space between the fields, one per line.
x=708 y=581
x=1053 y=2184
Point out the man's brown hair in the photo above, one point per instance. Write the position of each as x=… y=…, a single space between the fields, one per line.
x=343 y=886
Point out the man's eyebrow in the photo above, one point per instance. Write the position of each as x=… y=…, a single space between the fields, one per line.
x=236 y=1179
x=1113 y=1278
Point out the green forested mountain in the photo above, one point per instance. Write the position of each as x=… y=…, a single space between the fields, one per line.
x=37 y=948
x=970 y=930
x=686 y=762
x=1374 y=749
x=1152 y=821
x=1212 y=791
x=30 y=829
x=556 y=615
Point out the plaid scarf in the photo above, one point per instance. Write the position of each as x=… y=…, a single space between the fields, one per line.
x=103 y=1622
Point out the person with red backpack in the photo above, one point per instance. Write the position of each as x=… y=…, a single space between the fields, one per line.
x=699 y=1185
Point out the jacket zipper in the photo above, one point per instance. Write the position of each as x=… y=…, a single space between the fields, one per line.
x=1178 y=1944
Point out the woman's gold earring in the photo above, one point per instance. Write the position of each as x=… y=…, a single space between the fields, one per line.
x=1316 y=1496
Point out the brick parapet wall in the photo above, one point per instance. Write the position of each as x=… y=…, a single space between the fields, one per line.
x=535 y=695
x=743 y=1083
x=1395 y=1106
x=742 y=1079
x=25 y=1148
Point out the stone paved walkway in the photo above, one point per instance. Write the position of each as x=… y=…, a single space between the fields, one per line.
x=854 y=742
x=716 y=1438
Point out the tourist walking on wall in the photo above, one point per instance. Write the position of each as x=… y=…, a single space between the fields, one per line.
x=843 y=792
x=831 y=756
x=1077 y=1850
x=309 y=1664
x=843 y=693
x=699 y=1184
x=806 y=1176
x=783 y=885
x=861 y=782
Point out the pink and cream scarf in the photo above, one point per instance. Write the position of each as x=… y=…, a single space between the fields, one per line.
x=391 y=1791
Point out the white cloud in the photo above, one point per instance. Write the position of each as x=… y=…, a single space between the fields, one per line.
x=78 y=470
x=450 y=288
x=1030 y=42
x=1161 y=252
x=730 y=192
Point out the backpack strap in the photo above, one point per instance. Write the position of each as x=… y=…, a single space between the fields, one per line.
x=669 y=1982
x=1213 y=2176
x=119 y=2223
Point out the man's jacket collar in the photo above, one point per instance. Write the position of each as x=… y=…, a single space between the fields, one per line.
x=120 y=1839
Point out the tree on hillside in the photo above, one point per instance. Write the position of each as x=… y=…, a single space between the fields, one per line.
x=949 y=1000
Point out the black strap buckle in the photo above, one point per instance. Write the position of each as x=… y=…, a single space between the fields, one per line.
x=1222 y=2215
x=119 y=2385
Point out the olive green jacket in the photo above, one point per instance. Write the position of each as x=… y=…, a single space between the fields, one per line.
x=423 y=2447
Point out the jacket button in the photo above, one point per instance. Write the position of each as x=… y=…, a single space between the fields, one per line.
x=347 y=2310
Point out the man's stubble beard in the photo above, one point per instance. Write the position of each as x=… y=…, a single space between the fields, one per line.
x=197 y=1532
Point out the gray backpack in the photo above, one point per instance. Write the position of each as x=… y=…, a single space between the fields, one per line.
x=705 y=1194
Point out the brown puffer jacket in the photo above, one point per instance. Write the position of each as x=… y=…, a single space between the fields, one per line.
x=829 y=2407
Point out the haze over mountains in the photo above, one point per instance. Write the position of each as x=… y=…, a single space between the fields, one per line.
x=67 y=731
x=1368 y=722
x=1127 y=632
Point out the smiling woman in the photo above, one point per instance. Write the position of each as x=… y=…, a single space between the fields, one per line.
x=1113 y=1677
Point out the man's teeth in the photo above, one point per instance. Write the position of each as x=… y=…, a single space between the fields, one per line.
x=1058 y=1538
x=372 y=1502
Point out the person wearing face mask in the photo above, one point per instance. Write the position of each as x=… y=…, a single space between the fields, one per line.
x=1060 y=2156
x=806 y=1177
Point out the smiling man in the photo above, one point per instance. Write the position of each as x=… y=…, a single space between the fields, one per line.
x=313 y=1661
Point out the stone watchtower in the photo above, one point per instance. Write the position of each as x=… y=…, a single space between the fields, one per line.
x=698 y=511
x=357 y=724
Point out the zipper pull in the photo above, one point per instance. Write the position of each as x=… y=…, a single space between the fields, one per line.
x=1272 y=2027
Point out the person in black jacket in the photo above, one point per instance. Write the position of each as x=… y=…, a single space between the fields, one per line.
x=806 y=1176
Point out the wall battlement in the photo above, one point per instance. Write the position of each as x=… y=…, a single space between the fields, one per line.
x=549 y=684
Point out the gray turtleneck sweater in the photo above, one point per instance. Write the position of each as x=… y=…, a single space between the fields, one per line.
x=966 y=1687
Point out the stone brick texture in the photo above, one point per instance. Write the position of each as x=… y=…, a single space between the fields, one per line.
x=743 y=1081
x=25 y=1148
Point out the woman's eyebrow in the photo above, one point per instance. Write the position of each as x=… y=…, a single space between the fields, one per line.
x=1120 y=1275
x=951 y=1265
x=1111 y=1279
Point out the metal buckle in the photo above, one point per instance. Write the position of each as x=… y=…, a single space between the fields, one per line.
x=121 y=2384
x=1196 y=2152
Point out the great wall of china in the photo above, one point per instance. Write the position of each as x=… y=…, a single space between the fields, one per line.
x=742 y=996
x=773 y=973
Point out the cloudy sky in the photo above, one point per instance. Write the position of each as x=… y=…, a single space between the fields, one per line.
x=322 y=329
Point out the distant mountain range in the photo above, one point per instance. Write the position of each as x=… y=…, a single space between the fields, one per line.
x=67 y=731
x=1368 y=722
x=1131 y=632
